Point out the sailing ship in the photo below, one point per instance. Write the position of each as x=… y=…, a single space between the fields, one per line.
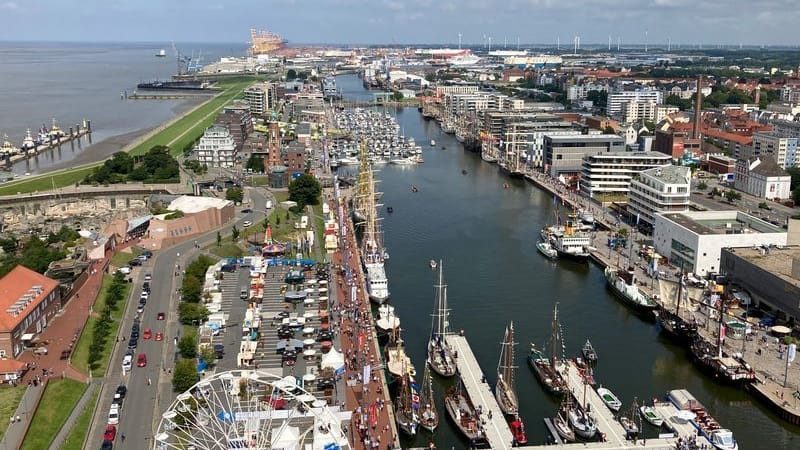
x=463 y=413
x=504 y=391
x=629 y=422
x=387 y=321
x=625 y=286
x=397 y=361
x=548 y=371
x=429 y=417
x=582 y=422
x=440 y=354
x=561 y=420
x=372 y=253
x=671 y=323
x=406 y=406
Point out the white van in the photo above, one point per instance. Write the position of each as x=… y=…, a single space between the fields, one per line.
x=269 y=204
x=127 y=363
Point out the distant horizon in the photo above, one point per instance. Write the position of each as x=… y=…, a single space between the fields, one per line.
x=564 y=45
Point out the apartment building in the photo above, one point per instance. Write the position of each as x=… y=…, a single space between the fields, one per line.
x=657 y=190
x=611 y=173
x=216 y=148
x=616 y=100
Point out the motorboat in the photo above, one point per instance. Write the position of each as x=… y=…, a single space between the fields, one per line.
x=433 y=143
x=589 y=354
x=608 y=397
x=650 y=414
x=546 y=249
x=723 y=439
x=432 y=263
x=518 y=431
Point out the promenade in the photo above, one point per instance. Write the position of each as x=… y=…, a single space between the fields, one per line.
x=373 y=425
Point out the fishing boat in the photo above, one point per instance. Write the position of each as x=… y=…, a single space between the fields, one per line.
x=547 y=250
x=463 y=413
x=628 y=421
x=589 y=354
x=504 y=390
x=608 y=397
x=432 y=264
x=440 y=354
x=429 y=417
x=406 y=406
x=397 y=361
x=651 y=415
x=625 y=286
x=548 y=370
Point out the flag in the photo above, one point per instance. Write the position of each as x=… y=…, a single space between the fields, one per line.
x=415 y=386
x=791 y=352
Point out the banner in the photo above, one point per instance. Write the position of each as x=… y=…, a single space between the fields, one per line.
x=367 y=373
x=790 y=354
x=722 y=331
x=360 y=341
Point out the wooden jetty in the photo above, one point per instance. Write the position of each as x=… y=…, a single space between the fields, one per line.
x=498 y=434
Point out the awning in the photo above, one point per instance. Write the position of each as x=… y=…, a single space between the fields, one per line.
x=27 y=337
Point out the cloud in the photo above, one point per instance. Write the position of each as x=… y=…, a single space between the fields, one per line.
x=9 y=6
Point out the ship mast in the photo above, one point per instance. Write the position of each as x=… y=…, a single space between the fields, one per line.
x=556 y=338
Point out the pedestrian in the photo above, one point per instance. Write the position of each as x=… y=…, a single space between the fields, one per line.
x=122 y=436
x=149 y=381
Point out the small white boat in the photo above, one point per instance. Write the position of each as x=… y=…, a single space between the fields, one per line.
x=547 y=250
x=609 y=399
x=433 y=143
x=650 y=414
x=723 y=439
x=432 y=263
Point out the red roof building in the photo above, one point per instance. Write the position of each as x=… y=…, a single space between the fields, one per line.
x=28 y=301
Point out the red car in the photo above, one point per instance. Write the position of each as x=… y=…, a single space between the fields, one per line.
x=160 y=316
x=110 y=434
x=159 y=336
x=147 y=333
x=142 y=361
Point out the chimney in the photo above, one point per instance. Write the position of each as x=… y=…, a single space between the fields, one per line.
x=698 y=108
x=757 y=98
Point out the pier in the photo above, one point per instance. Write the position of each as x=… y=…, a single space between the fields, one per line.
x=498 y=435
x=70 y=135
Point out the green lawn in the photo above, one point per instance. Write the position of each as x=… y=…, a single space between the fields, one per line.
x=227 y=250
x=122 y=257
x=9 y=401
x=183 y=131
x=58 y=401
x=260 y=180
x=78 y=433
x=80 y=357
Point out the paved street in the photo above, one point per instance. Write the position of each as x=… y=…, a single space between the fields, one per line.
x=145 y=403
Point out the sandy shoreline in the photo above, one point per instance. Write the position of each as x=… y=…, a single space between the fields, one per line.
x=101 y=150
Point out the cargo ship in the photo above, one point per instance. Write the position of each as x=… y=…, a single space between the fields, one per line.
x=264 y=42
x=192 y=85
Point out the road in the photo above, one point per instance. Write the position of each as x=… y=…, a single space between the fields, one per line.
x=748 y=203
x=145 y=402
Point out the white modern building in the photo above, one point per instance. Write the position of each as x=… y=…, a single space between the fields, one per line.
x=762 y=177
x=216 y=148
x=616 y=100
x=662 y=189
x=611 y=173
x=693 y=241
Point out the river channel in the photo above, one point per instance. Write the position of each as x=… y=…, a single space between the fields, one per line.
x=486 y=235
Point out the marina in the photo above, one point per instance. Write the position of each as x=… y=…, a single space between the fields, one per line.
x=46 y=139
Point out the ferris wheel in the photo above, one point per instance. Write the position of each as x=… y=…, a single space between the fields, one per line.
x=250 y=410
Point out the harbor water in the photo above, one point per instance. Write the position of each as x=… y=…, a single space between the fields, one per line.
x=75 y=81
x=486 y=236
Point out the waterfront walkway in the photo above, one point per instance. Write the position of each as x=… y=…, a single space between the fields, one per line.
x=498 y=435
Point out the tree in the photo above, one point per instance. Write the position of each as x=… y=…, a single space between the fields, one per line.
x=219 y=239
x=682 y=104
x=234 y=194
x=120 y=162
x=796 y=196
x=189 y=313
x=732 y=195
x=397 y=96
x=191 y=290
x=234 y=233
x=187 y=345
x=702 y=186
x=208 y=355
x=598 y=98
x=291 y=74
x=255 y=163
x=184 y=376
x=609 y=130
x=304 y=190
x=794 y=172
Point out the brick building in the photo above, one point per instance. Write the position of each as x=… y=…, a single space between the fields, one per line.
x=29 y=300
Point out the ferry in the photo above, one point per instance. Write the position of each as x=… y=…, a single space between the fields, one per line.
x=569 y=243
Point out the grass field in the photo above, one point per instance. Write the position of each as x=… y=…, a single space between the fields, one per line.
x=9 y=401
x=122 y=257
x=80 y=357
x=227 y=250
x=58 y=401
x=180 y=133
x=81 y=427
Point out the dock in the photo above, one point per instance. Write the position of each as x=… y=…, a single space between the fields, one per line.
x=498 y=434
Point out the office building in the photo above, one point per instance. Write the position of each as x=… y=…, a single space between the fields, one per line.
x=658 y=190
x=563 y=155
x=675 y=143
x=610 y=174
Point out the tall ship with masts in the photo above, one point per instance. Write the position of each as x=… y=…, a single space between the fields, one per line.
x=548 y=370
x=372 y=250
x=440 y=355
x=504 y=391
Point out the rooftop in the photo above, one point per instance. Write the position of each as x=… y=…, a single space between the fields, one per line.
x=670 y=174
x=586 y=138
x=777 y=261
x=190 y=204
x=721 y=222
x=634 y=155
x=21 y=290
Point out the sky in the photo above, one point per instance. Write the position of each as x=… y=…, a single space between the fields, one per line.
x=683 y=22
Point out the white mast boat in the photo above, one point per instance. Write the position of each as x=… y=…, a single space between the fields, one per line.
x=440 y=355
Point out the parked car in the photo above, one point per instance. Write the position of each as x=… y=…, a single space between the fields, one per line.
x=247 y=211
x=127 y=363
x=122 y=390
x=219 y=350
x=133 y=344
x=125 y=270
x=107 y=445
x=134 y=262
x=110 y=433
x=141 y=361
x=113 y=415
x=148 y=277
x=147 y=253
x=146 y=287
x=246 y=223
x=140 y=308
x=142 y=257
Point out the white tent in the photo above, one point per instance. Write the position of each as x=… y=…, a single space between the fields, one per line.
x=285 y=437
x=333 y=359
